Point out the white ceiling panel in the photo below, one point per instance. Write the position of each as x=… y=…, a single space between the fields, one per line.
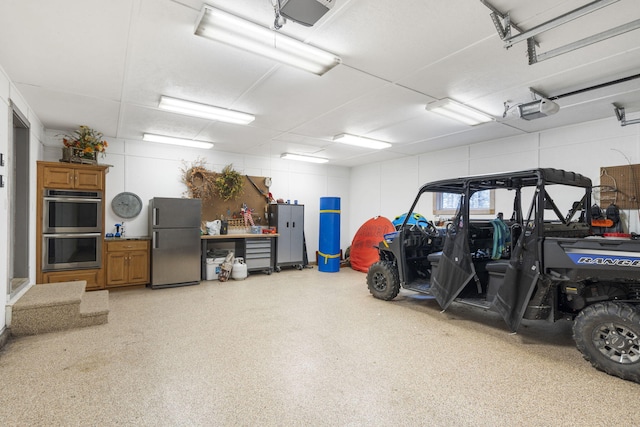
x=370 y=114
x=452 y=140
x=159 y=122
x=72 y=46
x=288 y=98
x=106 y=64
x=402 y=35
x=67 y=111
x=169 y=59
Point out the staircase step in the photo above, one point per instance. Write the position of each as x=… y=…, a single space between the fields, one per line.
x=51 y=294
x=94 y=308
x=58 y=306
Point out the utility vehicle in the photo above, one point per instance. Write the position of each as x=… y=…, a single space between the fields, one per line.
x=538 y=264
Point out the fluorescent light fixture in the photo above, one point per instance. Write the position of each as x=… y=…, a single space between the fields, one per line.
x=176 y=141
x=360 y=141
x=289 y=156
x=454 y=110
x=205 y=111
x=224 y=27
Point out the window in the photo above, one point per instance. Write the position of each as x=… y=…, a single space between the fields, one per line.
x=481 y=202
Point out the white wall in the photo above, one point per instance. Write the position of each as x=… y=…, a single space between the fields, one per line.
x=5 y=121
x=155 y=170
x=389 y=188
x=9 y=94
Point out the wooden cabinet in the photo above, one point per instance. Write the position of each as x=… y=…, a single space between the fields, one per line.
x=67 y=176
x=127 y=263
x=73 y=177
x=93 y=277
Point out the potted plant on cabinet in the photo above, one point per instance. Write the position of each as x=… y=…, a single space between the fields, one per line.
x=83 y=146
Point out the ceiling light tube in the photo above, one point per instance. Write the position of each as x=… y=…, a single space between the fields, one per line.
x=454 y=110
x=224 y=27
x=289 y=156
x=176 y=141
x=360 y=141
x=205 y=111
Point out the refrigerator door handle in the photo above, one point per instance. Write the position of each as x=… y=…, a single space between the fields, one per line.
x=154 y=240
x=155 y=216
x=294 y=224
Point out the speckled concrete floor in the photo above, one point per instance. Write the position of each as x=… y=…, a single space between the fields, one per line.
x=304 y=348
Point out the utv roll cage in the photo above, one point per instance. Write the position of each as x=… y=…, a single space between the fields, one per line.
x=460 y=259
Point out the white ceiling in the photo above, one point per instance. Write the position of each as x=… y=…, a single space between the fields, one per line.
x=105 y=64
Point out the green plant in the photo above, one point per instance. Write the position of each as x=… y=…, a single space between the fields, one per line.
x=229 y=183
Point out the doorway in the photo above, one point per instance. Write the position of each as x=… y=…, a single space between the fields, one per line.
x=18 y=184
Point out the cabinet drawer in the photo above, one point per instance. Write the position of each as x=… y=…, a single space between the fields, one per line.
x=257 y=253
x=255 y=263
x=92 y=277
x=258 y=243
x=127 y=245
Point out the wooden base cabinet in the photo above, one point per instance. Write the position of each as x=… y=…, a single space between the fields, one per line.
x=127 y=263
x=93 y=277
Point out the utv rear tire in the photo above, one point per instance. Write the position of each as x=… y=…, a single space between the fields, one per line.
x=383 y=281
x=608 y=335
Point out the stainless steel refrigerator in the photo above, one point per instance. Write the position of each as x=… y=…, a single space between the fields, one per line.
x=174 y=226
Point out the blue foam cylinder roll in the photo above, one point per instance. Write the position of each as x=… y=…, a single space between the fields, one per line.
x=329 y=247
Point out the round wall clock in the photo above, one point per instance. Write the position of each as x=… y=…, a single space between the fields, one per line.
x=126 y=205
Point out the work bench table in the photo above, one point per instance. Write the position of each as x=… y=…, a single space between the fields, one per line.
x=258 y=250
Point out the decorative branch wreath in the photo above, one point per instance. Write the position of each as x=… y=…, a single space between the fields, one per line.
x=199 y=180
x=229 y=183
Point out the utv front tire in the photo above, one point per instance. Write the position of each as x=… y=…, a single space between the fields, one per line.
x=608 y=335
x=383 y=281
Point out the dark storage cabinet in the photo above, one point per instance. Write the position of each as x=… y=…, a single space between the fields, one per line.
x=289 y=222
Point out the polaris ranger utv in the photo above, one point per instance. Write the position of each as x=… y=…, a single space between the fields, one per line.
x=539 y=264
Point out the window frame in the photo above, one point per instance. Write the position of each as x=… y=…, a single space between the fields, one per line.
x=437 y=205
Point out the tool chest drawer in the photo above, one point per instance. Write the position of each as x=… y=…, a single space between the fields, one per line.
x=258 y=254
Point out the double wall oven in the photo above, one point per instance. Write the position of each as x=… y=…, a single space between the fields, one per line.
x=71 y=230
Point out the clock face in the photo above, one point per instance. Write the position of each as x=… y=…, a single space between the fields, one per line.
x=126 y=205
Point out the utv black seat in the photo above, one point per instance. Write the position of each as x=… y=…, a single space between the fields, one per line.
x=499 y=267
x=497 y=271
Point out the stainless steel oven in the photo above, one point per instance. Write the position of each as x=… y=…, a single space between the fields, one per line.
x=64 y=251
x=71 y=230
x=72 y=211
